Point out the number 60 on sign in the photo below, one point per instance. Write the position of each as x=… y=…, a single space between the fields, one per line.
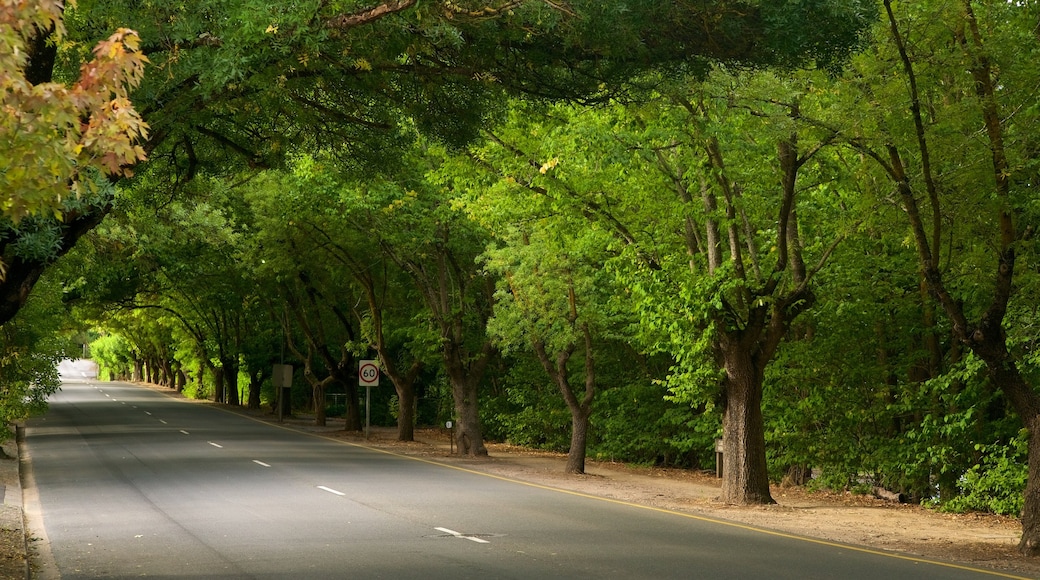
x=368 y=373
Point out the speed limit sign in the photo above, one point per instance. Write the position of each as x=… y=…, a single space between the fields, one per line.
x=368 y=373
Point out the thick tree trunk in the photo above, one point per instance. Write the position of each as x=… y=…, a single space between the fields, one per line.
x=167 y=373
x=745 y=477
x=353 y=412
x=1029 y=544
x=320 y=401
x=255 y=380
x=180 y=381
x=405 y=411
x=218 y=384
x=231 y=382
x=1005 y=374
x=469 y=437
x=318 y=392
x=579 y=441
x=581 y=409
x=404 y=386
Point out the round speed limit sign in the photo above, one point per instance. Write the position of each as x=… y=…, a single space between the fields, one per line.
x=368 y=373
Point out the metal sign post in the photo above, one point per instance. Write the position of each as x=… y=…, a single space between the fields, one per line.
x=368 y=377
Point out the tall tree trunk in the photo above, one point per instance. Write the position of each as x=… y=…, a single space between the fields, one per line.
x=579 y=441
x=167 y=373
x=405 y=411
x=991 y=347
x=318 y=395
x=255 y=381
x=230 y=366
x=580 y=409
x=745 y=477
x=218 y=384
x=349 y=380
x=404 y=385
x=469 y=438
x=353 y=419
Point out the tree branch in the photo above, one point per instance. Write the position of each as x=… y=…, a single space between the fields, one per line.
x=348 y=21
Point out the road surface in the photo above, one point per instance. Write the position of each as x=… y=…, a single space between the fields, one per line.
x=129 y=482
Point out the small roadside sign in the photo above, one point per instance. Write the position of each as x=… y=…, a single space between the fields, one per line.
x=368 y=373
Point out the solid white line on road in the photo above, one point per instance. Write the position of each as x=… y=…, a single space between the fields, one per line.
x=258 y=462
x=461 y=535
x=185 y=432
x=217 y=445
x=330 y=490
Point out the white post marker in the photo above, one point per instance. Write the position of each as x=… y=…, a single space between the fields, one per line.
x=368 y=377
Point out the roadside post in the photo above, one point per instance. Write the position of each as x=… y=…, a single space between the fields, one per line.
x=282 y=380
x=451 y=437
x=719 y=455
x=368 y=377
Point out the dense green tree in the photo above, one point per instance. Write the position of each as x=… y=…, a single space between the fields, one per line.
x=553 y=299
x=30 y=348
x=238 y=84
x=961 y=168
x=437 y=247
x=718 y=267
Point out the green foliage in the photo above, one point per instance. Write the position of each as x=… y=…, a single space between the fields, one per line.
x=637 y=423
x=113 y=354
x=31 y=345
x=995 y=484
x=632 y=421
x=55 y=136
x=340 y=186
x=526 y=409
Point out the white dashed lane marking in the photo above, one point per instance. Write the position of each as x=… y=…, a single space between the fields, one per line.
x=461 y=535
x=330 y=490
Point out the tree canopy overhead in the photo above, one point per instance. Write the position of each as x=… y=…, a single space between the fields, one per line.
x=55 y=137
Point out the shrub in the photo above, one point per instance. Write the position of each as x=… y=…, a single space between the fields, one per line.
x=994 y=484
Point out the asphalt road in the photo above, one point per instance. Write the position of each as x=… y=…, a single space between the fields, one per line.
x=133 y=483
